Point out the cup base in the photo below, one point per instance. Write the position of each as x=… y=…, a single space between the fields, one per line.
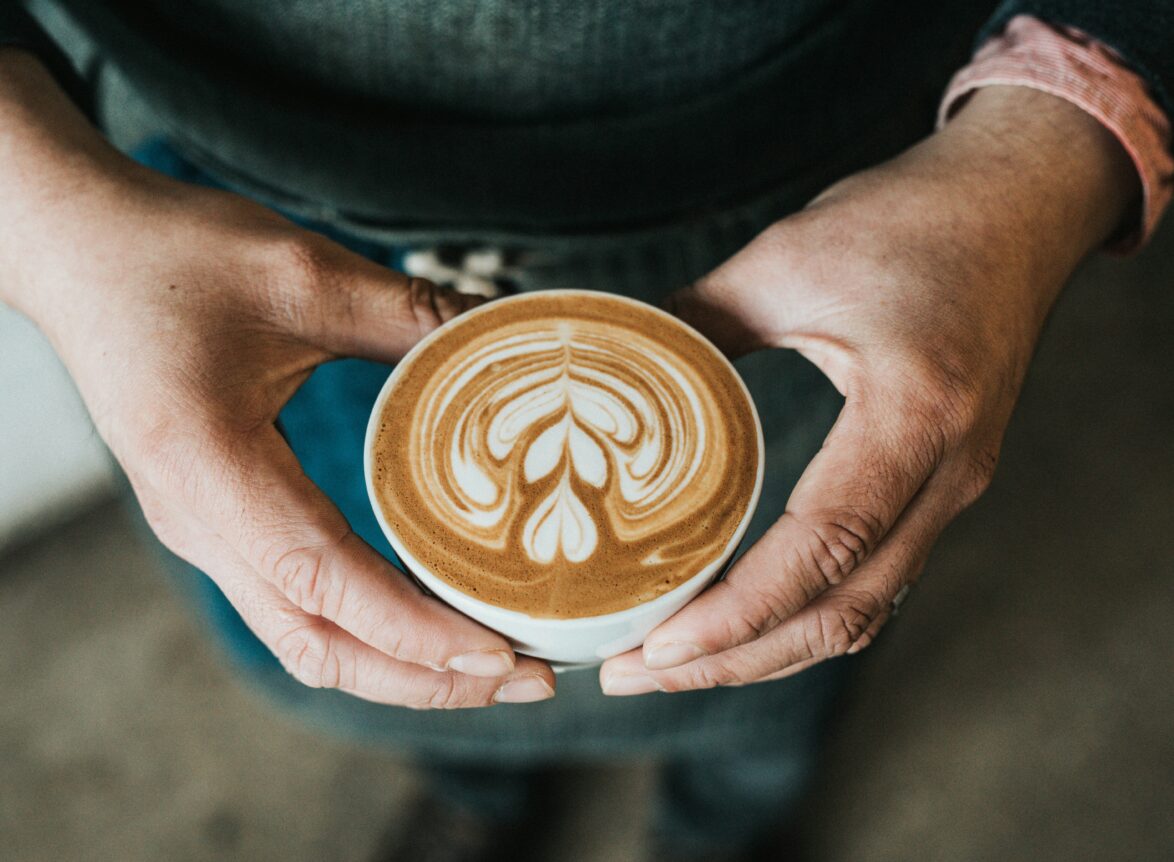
x=564 y=666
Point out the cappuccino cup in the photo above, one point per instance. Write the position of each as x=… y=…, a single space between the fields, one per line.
x=568 y=468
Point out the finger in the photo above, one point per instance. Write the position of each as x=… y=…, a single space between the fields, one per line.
x=842 y=620
x=319 y=654
x=355 y=307
x=785 y=672
x=251 y=491
x=625 y=676
x=866 y=639
x=714 y=308
x=844 y=505
x=736 y=320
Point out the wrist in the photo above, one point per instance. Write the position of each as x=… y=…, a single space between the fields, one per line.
x=1050 y=180
x=1012 y=194
x=54 y=167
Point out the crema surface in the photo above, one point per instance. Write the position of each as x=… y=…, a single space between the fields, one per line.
x=566 y=454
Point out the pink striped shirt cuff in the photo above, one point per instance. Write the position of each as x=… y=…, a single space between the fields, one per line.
x=1067 y=63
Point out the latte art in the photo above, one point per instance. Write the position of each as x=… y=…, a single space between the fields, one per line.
x=560 y=452
x=567 y=402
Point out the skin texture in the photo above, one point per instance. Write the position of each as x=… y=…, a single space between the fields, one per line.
x=188 y=317
x=919 y=288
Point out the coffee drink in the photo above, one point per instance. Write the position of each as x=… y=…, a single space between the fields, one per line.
x=565 y=454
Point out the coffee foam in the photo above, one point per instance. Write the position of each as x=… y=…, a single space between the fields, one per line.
x=565 y=454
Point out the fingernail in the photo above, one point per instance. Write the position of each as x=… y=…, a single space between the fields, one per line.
x=620 y=684
x=483 y=662
x=672 y=654
x=524 y=689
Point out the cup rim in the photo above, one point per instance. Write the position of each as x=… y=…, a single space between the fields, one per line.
x=439 y=585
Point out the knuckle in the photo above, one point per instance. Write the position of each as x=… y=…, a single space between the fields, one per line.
x=309 y=654
x=423 y=304
x=954 y=399
x=977 y=474
x=942 y=397
x=303 y=259
x=759 y=611
x=303 y=574
x=302 y=284
x=446 y=692
x=171 y=456
x=159 y=518
x=155 y=511
x=839 y=543
x=840 y=627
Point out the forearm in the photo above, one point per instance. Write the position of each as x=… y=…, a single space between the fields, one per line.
x=52 y=161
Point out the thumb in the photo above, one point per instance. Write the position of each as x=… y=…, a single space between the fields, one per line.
x=716 y=307
x=366 y=310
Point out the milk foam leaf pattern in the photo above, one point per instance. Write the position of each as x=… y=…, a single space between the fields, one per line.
x=553 y=453
x=615 y=413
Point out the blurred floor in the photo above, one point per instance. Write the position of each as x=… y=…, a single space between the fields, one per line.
x=1021 y=708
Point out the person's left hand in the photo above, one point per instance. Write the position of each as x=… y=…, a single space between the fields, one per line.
x=919 y=288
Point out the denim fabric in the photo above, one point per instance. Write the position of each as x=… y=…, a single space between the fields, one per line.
x=701 y=805
x=706 y=805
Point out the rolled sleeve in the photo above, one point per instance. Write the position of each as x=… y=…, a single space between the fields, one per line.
x=1070 y=64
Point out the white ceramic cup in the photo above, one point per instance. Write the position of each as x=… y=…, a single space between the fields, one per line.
x=565 y=642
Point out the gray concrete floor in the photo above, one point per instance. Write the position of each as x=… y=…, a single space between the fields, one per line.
x=1021 y=708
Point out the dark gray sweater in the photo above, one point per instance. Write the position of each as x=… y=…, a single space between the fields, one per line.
x=564 y=116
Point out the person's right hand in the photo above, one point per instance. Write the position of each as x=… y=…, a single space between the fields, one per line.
x=188 y=317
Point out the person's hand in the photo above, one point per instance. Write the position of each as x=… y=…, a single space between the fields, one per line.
x=919 y=288
x=188 y=317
